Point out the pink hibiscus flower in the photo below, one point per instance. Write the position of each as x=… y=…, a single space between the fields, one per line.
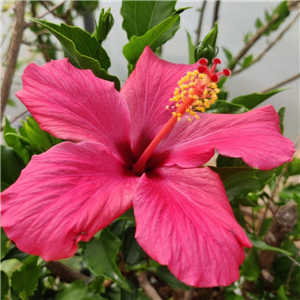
x=183 y=216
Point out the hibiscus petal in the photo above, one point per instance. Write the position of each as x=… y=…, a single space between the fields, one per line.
x=147 y=91
x=75 y=105
x=63 y=196
x=184 y=221
x=254 y=136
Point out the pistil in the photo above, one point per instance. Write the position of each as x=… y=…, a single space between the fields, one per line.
x=196 y=92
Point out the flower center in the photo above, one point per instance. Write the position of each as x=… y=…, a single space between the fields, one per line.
x=196 y=92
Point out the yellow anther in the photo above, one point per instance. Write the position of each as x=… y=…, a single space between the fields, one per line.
x=189 y=119
x=177 y=104
x=206 y=103
x=178 y=114
x=167 y=107
x=178 y=119
x=197 y=117
x=174 y=114
x=192 y=84
x=187 y=110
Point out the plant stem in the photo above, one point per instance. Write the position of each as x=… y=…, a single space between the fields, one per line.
x=198 y=31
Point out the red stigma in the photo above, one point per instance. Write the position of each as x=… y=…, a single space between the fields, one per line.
x=213 y=76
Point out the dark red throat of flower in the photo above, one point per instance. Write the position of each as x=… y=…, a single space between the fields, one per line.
x=195 y=93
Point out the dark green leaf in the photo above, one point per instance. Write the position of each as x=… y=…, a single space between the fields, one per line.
x=76 y=290
x=225 y=161
x=224 y=107
x=84 y=7
x=239 y=184
x=132 y=251
x=245 y=202
x=11 y=166
x=250 y=268
x=14 y=252
x=252 y=100
x=260 y=244
x=281 y=113
x=155 y=37
x=207 y=48
x=4 y=285
x=25 y=280
x=100 y=255
x=164 y=273
x=4 y=244
x=140 y=16
x=83 y=50
x=283 y=11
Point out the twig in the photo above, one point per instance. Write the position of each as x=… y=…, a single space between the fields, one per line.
x=292 y=267
x=13 y=51
x=198 y=31
x=147 y=287
x=252 y=41
x=270 y=45
x=216 y=13
x=65 y=273
x=281 y=83
x=44 y=14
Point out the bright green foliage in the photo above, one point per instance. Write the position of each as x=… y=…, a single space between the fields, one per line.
x=207 y=48
x=100 y=255
x=83 y=50
x=29 y=140
x=191 y=48
x=254 y=99
x=25 y=280
x=140 y=16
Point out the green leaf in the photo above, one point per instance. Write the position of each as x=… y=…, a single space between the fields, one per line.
x=83 y=50
x=283 y=11
x=11 y=166
x=131 y=250
x=260 y=244
x=252 y=100
x=239 y=184
x=75 y=290
x=100 y=255
x=247 y=61
x=281 y=293
x=207 y=48
x=250 y=268
x=281 y=113
x=164 y=273
x=224 y=107
x=4 y=285
x=293 y=168
x=191 y=48
x=4 y=246
x=11 y=138
x=140 y=16
x=25 y=280
x=83 y=7
x=228 y=54
x=39 y=140
x=290 y=191
x=154 y=37
x=258 y=23
x=11 y=102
